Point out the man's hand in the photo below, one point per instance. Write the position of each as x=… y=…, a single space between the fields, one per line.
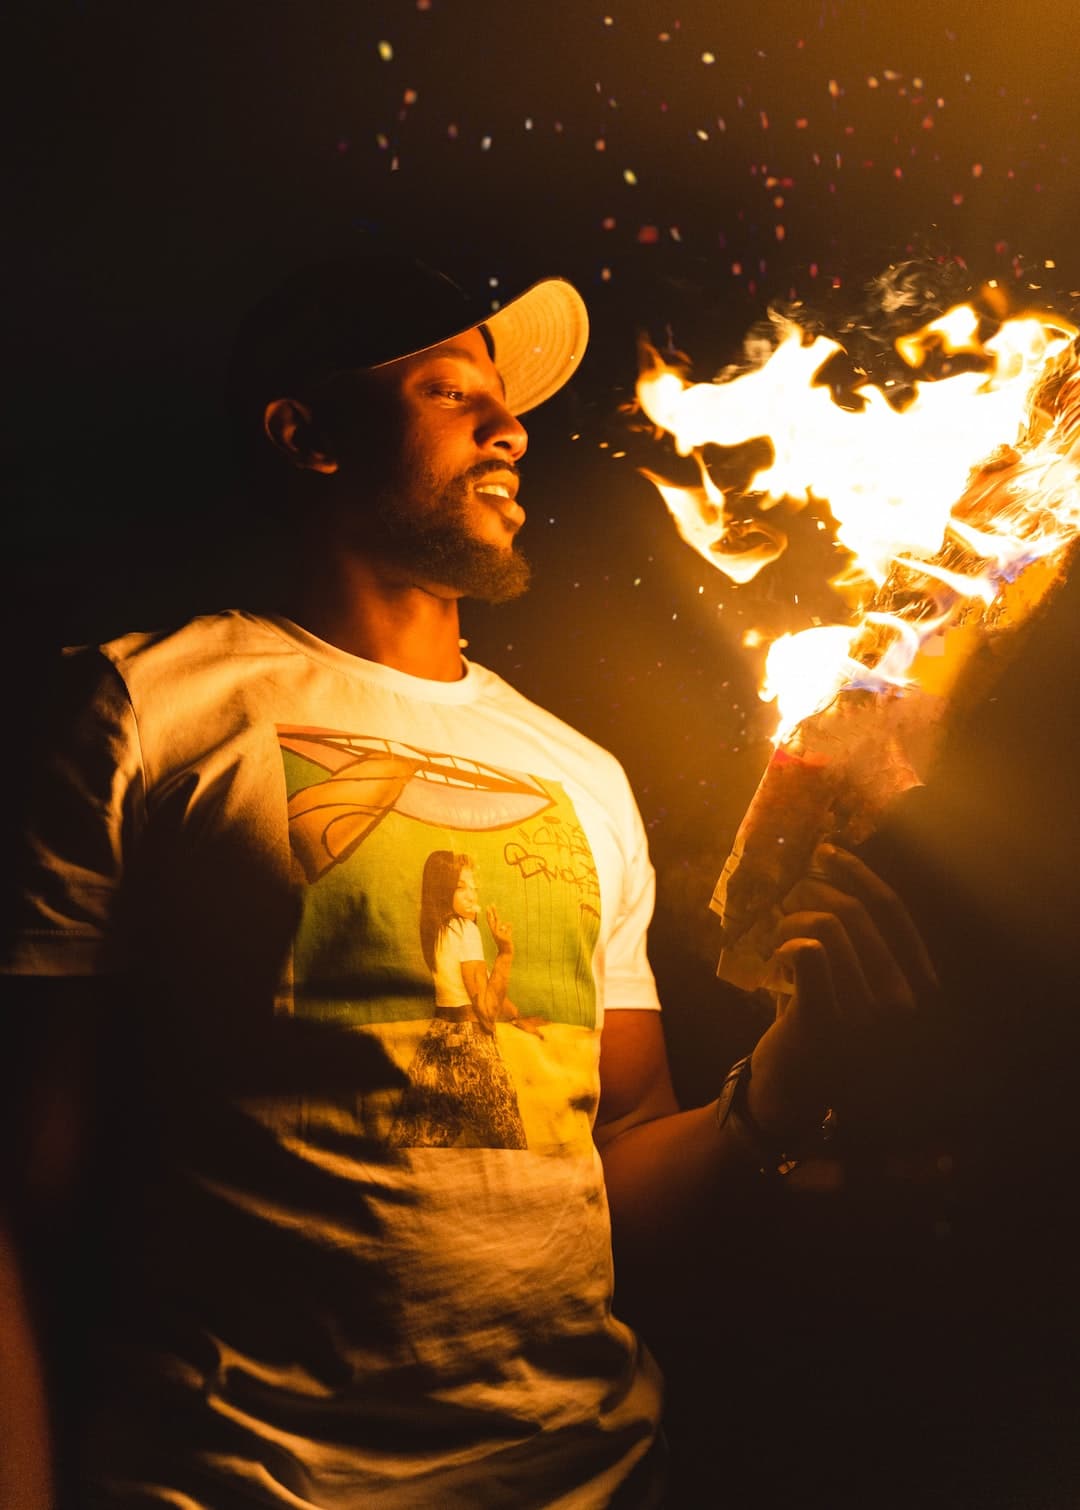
x=850 y=966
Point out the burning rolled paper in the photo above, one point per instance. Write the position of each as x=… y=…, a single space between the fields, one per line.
x=787 y=817
x=832 y=779
x=904 y=671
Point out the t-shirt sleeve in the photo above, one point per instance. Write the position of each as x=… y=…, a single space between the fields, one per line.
x=84 y=806
x=628 y=976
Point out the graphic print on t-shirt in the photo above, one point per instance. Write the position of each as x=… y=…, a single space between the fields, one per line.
x=414 y=864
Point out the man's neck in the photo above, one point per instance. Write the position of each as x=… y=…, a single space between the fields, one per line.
x=380 y=615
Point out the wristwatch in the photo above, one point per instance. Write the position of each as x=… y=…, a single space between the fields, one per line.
x=732 y=1110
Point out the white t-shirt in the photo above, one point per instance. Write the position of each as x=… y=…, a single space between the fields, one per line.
x=245 y=823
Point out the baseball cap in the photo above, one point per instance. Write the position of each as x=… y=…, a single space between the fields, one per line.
x=367 y=310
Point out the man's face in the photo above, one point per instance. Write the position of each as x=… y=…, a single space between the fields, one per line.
x=430 y=459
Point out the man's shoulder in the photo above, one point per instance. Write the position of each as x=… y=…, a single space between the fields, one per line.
x=160 y=677
x=206 y=638
x=166 y=667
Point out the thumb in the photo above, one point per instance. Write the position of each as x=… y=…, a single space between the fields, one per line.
x=790 y=1086
x=804 y=976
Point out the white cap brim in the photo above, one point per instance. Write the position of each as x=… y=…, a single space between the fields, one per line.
x=540 y=338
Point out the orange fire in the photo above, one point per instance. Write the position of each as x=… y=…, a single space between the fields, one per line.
x=941 y=504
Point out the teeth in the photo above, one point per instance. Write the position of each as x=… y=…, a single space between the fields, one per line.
x=496 y=488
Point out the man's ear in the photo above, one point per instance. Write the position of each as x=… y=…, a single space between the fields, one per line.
x=290 y=425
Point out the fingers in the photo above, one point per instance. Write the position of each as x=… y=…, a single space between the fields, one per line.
x=847 y=872
x=868 y=976
x=814 y=945
x=796 y=1062
x=852 y=969
x=889 y=948
x=885 y=908
x=804 y=963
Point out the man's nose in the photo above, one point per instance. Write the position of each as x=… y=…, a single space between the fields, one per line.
x=503 y=431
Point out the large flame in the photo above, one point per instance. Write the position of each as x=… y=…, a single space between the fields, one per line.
x=940 y=504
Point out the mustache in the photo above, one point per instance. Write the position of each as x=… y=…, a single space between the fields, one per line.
x=482 y=468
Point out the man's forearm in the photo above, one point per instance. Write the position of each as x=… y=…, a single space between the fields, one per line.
x=661 y=1175
x=665 y=1168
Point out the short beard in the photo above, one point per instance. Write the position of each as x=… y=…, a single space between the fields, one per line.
x=475 y=568
x=440 y=549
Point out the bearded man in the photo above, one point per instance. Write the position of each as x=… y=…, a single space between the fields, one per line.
x=314 y=1295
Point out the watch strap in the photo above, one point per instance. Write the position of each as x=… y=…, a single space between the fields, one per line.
x=732 y=1111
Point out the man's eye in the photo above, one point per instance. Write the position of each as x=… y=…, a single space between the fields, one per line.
x=454 y=394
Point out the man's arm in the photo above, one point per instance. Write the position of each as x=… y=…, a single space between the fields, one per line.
x=660 y=1163
x=851 y=961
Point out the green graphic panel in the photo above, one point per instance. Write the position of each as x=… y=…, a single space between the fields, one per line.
x=357 y=953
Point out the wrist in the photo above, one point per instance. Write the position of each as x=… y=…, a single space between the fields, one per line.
x=763 y=1149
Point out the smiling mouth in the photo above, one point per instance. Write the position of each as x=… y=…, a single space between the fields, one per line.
x=501 y=496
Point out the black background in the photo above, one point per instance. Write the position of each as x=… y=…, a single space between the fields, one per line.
x=906 y=1342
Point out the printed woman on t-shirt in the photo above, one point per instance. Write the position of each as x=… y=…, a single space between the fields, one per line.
x=460 y=1092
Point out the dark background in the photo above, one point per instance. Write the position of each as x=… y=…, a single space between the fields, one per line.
x=907 y=1340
